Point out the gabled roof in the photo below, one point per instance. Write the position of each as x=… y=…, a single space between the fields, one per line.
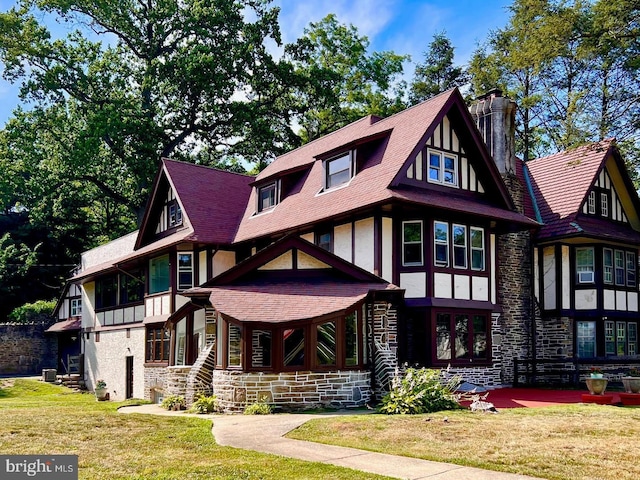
x=560 y=184
x=212 y=202
x=249 y=293
x=394 y=141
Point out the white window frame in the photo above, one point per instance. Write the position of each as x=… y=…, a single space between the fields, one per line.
x=441 y=169
x=477 y=249
x=458 y=246
x=75 y=307
x=631 y=269
x=276 y=196
x=607 y=269
x=620 y=268
x=182 y=269
x=592 y=203
x=585 y=273
x=412 y=242
x=174 y=214
x=604 y=204
x=437 y=242
x=328 y=185
x=586 y=336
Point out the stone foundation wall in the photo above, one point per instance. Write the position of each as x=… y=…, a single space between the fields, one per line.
x=555 y=338
x=25 y=349
x=176 y=380
x=155 y=378
x=292 y=390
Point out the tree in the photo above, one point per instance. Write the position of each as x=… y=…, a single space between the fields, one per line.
x=338 y=81
x=437 y=72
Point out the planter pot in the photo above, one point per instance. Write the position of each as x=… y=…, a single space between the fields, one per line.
x=101 y=394
x=597 y=386
x=631 y=384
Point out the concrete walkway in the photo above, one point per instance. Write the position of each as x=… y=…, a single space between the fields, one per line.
x=265 y=433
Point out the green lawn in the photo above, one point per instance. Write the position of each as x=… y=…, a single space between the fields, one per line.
x=39 y=418
x=576 y=442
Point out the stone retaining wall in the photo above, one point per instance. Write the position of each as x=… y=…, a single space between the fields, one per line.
x=25 y=349
x=292 y=390
x=155 y=378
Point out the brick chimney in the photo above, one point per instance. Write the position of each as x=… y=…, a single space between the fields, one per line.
x=495 y=117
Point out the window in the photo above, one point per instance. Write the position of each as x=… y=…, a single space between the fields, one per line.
x=604 y=204
x=459 y=246
x=631 y=269
x=619 y=267
x=351 y=340
x=607 y=262
x=339 y=170
x=261 y=348
x=586 y=339
x=477 y=248
x=131 y=287
x=461 y=337
x=76 y=307
x=443 y=168
x=325 y=240
x=621 y=338
x=157 y=347
x=181 y=343
x=175 y=214
x=267 y=197
x=159 y=274
x=441 y=244
x=234 y=344
x=326 y=344
x=185 y=270
x=412 y=243
x=107 y=292
x=592 y=202
x=584 y=265
x=293 y=347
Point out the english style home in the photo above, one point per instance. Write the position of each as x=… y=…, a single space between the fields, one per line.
x=418 y=239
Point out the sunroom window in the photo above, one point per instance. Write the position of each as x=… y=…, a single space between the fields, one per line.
x=339 y=170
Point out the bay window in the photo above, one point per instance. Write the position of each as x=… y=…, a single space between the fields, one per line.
x=466 y=248
x=461 y=337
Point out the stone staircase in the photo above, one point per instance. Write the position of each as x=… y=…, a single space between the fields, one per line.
x=73 y=381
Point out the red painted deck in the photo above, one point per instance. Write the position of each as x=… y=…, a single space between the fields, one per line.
x=534 y=397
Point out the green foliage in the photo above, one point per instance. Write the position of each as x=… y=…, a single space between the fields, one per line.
x=420 y=391
x=205 y=404
x=173 y=402
x=260 y=407
x=37 y=312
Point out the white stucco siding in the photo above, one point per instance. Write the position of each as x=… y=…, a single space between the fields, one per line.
x=107 y=359
x=307 y=262
x=109 y=251
x=364 y=244
x=442 y=285
x=414 y=283
x=202 y=267
x=222 y=261
x=621 y=301
x=632 y=301
x=549 y=277
x=283 y=262
x=586 y=299
x=461 y=287
x=342 y=242
x=609 y=299
x=566 y=278
x=88 y=302
x=480 y=288
x=494 y=269
x=309 y=237
x=387 y=249
x=536 y=275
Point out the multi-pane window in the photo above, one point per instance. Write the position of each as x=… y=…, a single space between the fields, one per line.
x=585 y=265
x=261 y=348
x=159 y=274
x=441 y=244
x=631 y=269
x=107 y=292
x=326 y=344
x=351 y=340
x=477 y=248
x=267 y=197
x=325 y=240
x=339 y=170
x=607 y=263
x=592 y=202
x=412 y=243
x=586 y=339
x=604 y=204
x=443 y=168
x=293 y=347
x=234 y=346
x=175 y=214
x=131 y=287
x=185 y=270
x=76 y=307
x=621 y=338
x=459 y=246
x=157 y=346
x=619 y=267
x=461 y=337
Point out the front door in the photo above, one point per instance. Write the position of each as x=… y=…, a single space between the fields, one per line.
x=129 y=379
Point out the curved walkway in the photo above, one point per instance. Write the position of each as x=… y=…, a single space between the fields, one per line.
x=265 y=433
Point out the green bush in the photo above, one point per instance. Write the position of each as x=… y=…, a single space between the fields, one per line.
x=173 y=402
x=420 y=391
x=37 y=312
x=205 y=404
x=259 y=408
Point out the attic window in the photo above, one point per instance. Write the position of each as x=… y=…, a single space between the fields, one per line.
x=175 y=214
x=443 y=168
x=268 y=196
x=339 y=170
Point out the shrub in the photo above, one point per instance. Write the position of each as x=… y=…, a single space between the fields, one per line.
x=420 y=391
x=205 y=404
x=37 y=312
x=173 y=402
x=260 y=407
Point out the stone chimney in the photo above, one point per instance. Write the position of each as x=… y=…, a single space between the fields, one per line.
x=495 y=117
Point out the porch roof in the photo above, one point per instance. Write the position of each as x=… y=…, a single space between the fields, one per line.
x=287 y=301
x=68 y=325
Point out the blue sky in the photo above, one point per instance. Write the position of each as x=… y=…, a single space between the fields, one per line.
x=404 y=26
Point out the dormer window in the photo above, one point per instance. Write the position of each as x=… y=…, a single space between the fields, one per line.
x=268 y=196
x=175 y=214
x=339 y=170
x=443 y=168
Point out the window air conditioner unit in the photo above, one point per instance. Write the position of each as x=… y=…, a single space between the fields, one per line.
x=585 y=277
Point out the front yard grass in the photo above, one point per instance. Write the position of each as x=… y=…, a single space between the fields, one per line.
x=575 y=442
x=39 y=418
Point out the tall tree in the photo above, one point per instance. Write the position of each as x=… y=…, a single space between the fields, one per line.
x=437 y=72
x=339 y=81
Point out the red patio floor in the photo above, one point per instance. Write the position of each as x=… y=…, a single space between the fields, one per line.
x=534 y=397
